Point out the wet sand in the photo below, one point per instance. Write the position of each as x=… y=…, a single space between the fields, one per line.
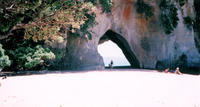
x=118 y=88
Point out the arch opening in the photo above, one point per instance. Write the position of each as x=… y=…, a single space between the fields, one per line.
x=111 y=36
x=111 y=52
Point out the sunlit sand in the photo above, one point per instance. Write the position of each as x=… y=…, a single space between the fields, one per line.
x=133 y=88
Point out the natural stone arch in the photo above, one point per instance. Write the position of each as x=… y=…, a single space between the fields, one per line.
x=123 y=45
x=151 y=46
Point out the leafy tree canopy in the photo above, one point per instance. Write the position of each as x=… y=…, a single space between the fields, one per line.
x=39 y=22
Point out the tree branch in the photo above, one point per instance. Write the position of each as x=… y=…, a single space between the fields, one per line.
x=18 y=26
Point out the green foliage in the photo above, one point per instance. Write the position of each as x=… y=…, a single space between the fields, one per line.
x=106 y=5
x=181 y=2
x=144 y=8
x=188 y=22
x=71 y=16
x=94 y=2
x=168 y=16
x=31 y=57
x=13 y=12
x=4 y=59
x=6 y=23
x=88 y=23
x=49 y=19
x=42 y=21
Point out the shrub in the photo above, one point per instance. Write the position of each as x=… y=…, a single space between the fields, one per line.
x=188 y=21
x=144 y=8
x=30 y=57
x=168 y=16
x=106 y=5
x=181 y=2
x=92 y=1
x=4 y=59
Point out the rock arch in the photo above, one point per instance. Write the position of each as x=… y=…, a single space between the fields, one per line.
x=149 y=47
x=123 y=45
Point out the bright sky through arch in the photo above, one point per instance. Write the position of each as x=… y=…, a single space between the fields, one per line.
x=110 y=51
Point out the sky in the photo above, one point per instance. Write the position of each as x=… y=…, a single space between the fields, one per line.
x=110 y=51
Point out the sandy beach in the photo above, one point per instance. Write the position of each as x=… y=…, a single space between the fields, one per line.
x=126 y=88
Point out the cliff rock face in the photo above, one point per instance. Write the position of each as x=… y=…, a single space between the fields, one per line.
x=143 y=42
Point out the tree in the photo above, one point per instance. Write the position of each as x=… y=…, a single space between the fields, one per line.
x=26 y=26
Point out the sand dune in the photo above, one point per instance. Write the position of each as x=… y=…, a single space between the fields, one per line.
x=101 y=89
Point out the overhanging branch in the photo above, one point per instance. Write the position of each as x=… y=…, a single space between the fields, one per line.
x=18 y=26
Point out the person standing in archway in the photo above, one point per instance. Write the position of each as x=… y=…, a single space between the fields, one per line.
x=111 y=64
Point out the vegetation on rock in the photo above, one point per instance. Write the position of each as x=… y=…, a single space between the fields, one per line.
x=144 y=9
x=181 y=2
x=168 y=16
x=188 y=21
x=106 y=5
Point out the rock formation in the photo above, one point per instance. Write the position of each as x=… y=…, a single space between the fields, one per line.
x=143 y=41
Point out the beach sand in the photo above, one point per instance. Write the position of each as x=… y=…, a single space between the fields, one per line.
x=119 y=88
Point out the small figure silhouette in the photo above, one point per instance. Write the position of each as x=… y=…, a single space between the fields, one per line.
x=111 y=64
